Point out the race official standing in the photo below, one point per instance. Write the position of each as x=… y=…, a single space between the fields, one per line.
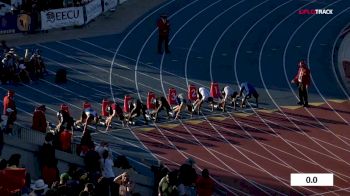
x=163 y=29
x=302 y=80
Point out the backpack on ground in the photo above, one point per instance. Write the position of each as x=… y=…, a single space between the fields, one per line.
x=61 y=76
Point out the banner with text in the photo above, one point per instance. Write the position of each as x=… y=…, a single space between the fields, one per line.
x=109 y=4
x=15 y=23
x=93 y=9
x=62 y=18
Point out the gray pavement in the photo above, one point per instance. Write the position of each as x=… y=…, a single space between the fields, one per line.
x=106 y=24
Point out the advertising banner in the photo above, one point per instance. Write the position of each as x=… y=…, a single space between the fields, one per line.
x=62 y=18
x=15 y=23
x=109 y=4
x=93 y=9
x=8 y=24
x=16 y=2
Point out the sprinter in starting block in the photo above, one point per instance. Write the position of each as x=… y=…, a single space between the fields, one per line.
x=136 y=109
x=246 y=91
x=161 y=104
x=227 y=94
x=88 y=116
x=114 y=111
x=182 y=103
x=203 y=95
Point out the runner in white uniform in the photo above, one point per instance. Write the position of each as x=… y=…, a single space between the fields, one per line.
x=228 y=94
x=203 y=95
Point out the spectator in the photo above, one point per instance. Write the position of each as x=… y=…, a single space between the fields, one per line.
x=92 y=160
x=28 y=63
x=102 y=147
x=12 y=178
x=66 y=137
x=85 y=142
x=4 y=47
x=10 y=68
x=126 y=186
x=163 y=30
x=74 y=184
x=39 y=188
x=89 y=190
x=47 y=158
x=1 y=140
x=3 y=164
x=14 y=161
x=39 y=119
x=302 y=80
x=9 y=121
x=204 y=184
x=23 y=73
x=61 y=187
x=37 y=65
x=168 y=185
x=107 y=172
x=188 y=176
x=159 y=173
x=247 y=90
x=9 y=102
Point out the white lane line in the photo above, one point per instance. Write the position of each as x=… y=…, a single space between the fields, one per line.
x=91 y=65
x=291 y=89
x=237 y=50
x=235 y=66
x=260 y=71
x=128 y=34
x=308 y=60
x=340 y=84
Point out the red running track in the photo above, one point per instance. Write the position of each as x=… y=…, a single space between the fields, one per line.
x=257 y=153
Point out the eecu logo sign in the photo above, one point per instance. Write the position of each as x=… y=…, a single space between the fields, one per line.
x=62 y=15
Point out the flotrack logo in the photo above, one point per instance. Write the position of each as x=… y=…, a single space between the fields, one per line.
x=315 y=11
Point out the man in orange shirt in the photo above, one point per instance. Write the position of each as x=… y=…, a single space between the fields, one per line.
x=9 y=102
